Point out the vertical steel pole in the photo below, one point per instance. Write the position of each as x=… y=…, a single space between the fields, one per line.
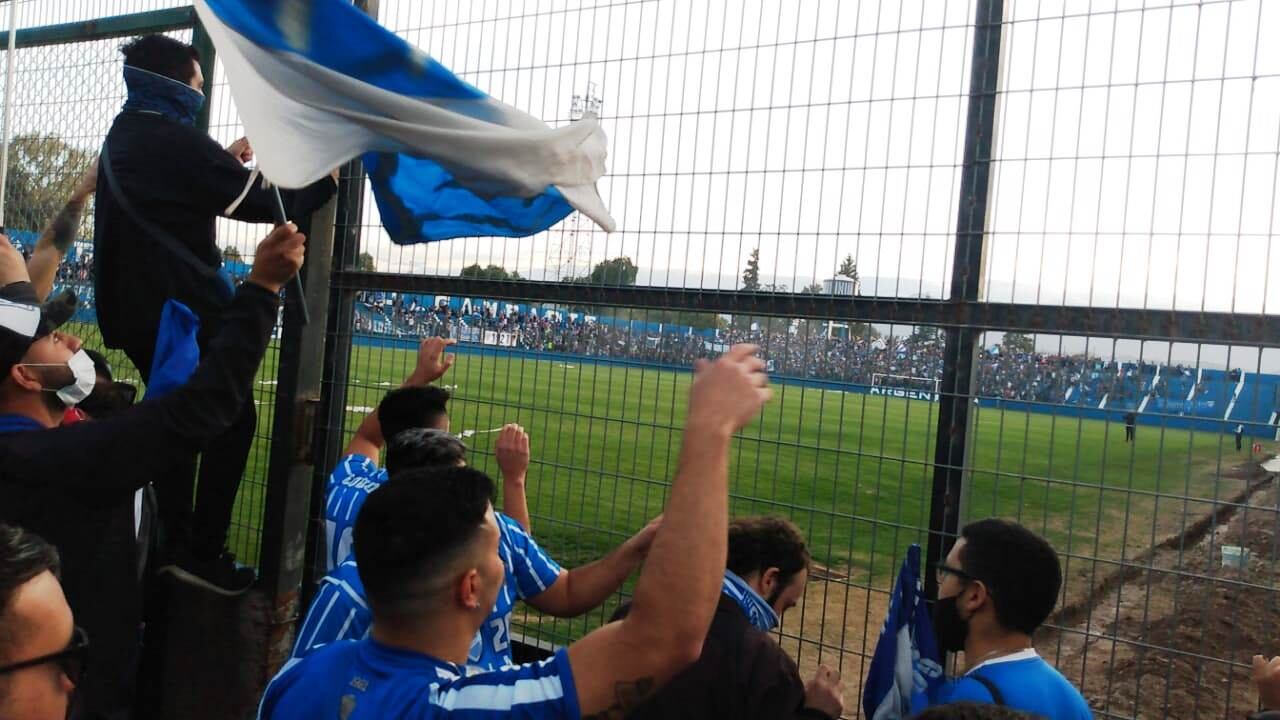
x=951 y=445
x=11 y=61
x=339 y=315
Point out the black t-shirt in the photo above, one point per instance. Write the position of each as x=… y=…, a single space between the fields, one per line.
x=741 y=674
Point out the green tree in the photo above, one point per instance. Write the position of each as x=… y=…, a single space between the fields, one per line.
x=41 y=174
x=614 y=271
x=231 y=254
x=812 y=289
x=492 y=272
x=695 y=320
x=924 y=334
x=1018 y=343
x=849 y=269
x=751 y=275
x=364 y=263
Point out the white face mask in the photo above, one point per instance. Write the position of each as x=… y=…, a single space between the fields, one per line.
x=85 y=375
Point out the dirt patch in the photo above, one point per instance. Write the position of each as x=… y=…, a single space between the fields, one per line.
x=836 y=624
x=1128 y=527
x=1132 y=567
x=1171 y=632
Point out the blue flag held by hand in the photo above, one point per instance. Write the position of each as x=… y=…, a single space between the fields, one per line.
x=906 y=661
x=318 y=82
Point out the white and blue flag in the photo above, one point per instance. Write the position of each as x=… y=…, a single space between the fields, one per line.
x=318 y=82
x=906 y=661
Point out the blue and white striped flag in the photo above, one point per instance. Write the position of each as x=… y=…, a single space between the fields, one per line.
x=906 y=661
x=318 y=82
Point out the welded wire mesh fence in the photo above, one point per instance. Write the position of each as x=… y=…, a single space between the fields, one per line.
x=767 y=161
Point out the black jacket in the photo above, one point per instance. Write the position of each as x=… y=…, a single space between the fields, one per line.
x=742 y=674
x=181 y=181
x=74 y=486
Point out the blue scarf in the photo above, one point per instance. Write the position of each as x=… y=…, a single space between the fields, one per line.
x=757 y=610
x=157 y=94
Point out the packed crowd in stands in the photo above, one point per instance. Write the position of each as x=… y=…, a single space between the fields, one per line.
x=800 y=350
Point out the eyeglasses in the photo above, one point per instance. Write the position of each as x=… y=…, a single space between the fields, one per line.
x=70 y=660
x=942 y=570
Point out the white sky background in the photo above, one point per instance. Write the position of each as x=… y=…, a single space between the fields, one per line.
x=1137 y=151
x=1136 y=143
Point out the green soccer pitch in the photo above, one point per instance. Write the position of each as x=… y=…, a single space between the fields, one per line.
x=852 y=469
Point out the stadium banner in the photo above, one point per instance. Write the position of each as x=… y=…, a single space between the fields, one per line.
x=903 y=393
x=318 y=83
x=906 y=387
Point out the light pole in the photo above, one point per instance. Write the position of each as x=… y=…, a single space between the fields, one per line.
x=589 y=103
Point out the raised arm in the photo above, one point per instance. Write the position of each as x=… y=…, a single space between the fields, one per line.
x=616 y=667
x=60 y=233
x=512 y=454
x=224 y=186
x=432 y=364
x=585 y=588
x=170 y=428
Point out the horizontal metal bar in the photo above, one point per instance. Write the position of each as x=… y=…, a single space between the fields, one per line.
x=153 y=21
x=1164 y=325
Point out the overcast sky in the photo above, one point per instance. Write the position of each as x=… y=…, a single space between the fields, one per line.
x=1136 y=143
x=1137 y=148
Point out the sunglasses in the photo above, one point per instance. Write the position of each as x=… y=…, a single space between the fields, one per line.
x=71 y=660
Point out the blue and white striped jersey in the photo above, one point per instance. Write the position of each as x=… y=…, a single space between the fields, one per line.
x=529 y=572
x=349 y=486
x=338 y=612
x=364 y=680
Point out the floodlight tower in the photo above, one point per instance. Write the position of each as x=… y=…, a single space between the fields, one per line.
x=574 y=242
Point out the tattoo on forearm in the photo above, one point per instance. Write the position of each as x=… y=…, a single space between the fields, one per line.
x=65 y=224
x=627 y=697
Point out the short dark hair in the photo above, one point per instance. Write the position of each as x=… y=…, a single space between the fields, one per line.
x=23 y=556
x=759 y=543
x=411 y=529
x=162 y=55
x=424 y=447
x=974 y=711
x=418 y=406
x=1019 y=568
x=101 y=365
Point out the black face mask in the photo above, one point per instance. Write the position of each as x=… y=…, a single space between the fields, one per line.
x=950 y=629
